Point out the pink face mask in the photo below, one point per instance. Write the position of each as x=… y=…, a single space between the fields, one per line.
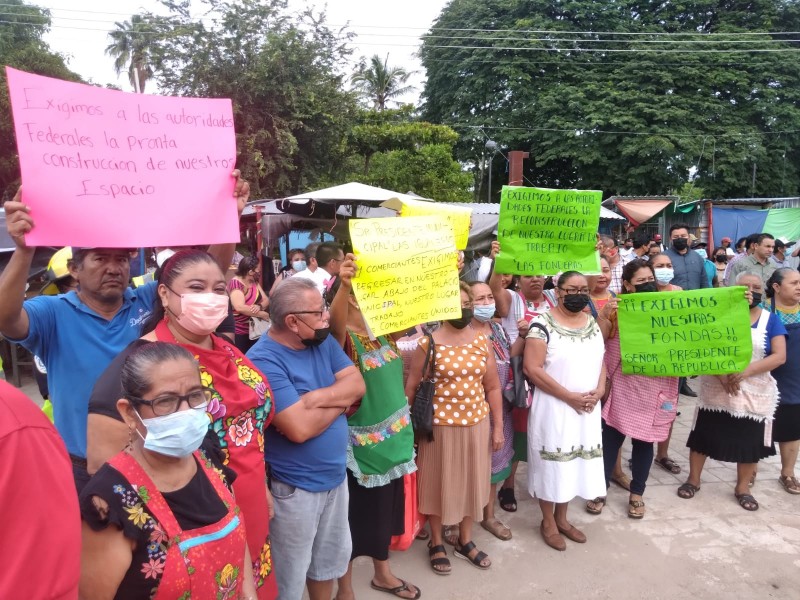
x=201 y=314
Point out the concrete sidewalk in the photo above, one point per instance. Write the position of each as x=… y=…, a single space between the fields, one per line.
x=707 y=547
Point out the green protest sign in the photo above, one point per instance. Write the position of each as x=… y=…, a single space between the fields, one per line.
x=678 y=334
x=546 y=232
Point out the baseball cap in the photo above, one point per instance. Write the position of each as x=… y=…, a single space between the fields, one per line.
x=657 y=237
x=726 y=239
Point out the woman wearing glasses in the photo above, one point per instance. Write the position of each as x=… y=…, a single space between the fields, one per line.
x=192 y=301
x=162 y=488
x=564 y=359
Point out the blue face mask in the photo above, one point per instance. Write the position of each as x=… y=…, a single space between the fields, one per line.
x=178 y=434
x=483 y=313
x=701 y=252
x=299 y=265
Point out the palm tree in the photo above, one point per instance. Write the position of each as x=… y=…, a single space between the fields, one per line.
x=379 y=82
x=130 y=47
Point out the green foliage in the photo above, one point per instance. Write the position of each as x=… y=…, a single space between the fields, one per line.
x=379 y=83
x=283 y=73
x=401 y=153
x=21 y=47
x=628 y=114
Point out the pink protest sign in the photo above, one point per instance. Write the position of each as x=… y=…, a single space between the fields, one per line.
x=102 y=168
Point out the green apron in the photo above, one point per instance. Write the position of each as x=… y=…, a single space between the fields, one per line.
x=381 y=438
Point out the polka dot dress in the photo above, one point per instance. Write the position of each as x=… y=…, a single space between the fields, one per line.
x=459 y=397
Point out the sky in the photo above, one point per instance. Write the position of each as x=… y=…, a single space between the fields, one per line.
x=80 y=29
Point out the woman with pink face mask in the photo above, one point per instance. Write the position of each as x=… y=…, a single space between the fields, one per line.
x=192 y=302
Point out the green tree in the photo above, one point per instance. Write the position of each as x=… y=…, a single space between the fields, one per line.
x=130 y=47
x=22 y=47
x=379 y=83
x=665 y=90
x=394 y=149
x=283 y=73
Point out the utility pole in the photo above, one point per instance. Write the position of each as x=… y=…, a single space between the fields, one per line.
x=491 y=146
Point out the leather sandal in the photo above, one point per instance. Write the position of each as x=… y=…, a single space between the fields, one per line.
x=498 y=529
x=463 y=550
x=599 y=503
x=441 y=561
x=636 y=509
x=790 y=484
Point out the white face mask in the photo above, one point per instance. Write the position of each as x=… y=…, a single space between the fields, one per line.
x=483 y=312
x=177 y=434
x=664 y=275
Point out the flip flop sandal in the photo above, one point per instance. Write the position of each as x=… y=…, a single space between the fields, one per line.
x=668 y=465
x=599 y=504
x=398 y=590
x=634 y=505
x=623 y=481
x=790 y=484
x=440 y=561
x=463 y=552
x=747 y=502
x=498 y=529
x=508 y=502
x=687 y=491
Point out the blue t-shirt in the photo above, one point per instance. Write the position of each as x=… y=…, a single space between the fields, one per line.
x=318 y=464
x=76 y=345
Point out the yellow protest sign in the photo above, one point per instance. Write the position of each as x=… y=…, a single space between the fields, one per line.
x=407 y=271
x=458 y=216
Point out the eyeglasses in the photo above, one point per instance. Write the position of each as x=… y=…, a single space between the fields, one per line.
x=574 y=291
x=166 y=405
x=325 y=308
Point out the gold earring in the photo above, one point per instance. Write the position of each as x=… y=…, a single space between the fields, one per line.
x=129 y=447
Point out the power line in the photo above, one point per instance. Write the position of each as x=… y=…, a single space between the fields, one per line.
x=470 y=37
x=583 y=130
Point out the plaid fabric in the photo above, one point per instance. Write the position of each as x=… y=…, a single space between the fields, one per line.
x=640 y=407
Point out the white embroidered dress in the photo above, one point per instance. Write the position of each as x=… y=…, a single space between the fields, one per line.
x=565 y=453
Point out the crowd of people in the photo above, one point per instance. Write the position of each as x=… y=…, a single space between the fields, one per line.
x=195 y=457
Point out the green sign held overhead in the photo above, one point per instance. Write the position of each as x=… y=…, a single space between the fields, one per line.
x=546 y=232
x=678 y=334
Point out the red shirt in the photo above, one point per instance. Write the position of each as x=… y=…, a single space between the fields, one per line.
x=41 y=544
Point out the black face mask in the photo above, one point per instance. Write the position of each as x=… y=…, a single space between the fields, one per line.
x=721 y=258
x=320 y=335
x=464 y=320
x=576 y=302
x=756 y=299
x=647 y=286
x=680 y=244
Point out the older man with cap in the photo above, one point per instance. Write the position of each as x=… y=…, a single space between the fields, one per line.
x=313 y=383
x=78 y=334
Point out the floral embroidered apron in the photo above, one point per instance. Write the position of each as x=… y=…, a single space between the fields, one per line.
x=201 y=563
x=240 y=410
x=381 y=438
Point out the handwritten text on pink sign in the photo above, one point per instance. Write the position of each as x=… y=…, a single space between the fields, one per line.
x=112 y=169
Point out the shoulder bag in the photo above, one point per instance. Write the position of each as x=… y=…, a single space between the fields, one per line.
x=422 y=409
x=519 y=391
